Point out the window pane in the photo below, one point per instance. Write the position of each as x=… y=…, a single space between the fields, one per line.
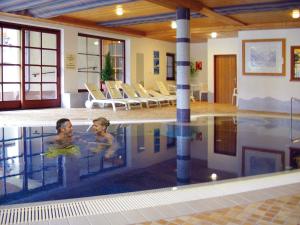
x=11 y=55
x=82 y=44
x=93 y=46
x=1 y=92
x=11 y=37
x=93 y=63
x=49 y=91
x=32 y=39
x=32 y=91
x=12 y=133
x=11 y=74
x=49 y=57
x=33 y=56
x=0 y=74
x=105 y=46
x=49 y=74
x=119 y=49
x=11 y=92
x=0 y=51
x=82 y=63
x=32 y=74
x=49 y=40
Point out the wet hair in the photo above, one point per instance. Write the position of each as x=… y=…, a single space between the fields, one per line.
x=104 y=122
x=61 y=123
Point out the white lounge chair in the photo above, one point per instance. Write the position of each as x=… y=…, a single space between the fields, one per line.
x=99 y=98
x=143 y=92
x=115 y=94
x=130 y=92
x=164 y=90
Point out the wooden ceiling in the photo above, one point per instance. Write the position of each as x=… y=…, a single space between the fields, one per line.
x=152 y=18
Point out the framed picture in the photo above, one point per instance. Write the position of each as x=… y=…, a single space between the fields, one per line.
x=257 y=161
x=295 y=63
x=264 y=57
x=156 y=62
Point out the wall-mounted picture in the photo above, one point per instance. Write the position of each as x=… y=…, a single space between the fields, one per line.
x=295 y=63
x=264 y=57
x=156 y=62
x=257 y=161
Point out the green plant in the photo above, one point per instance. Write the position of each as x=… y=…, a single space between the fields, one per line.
x=193 y=69
x=108 y=71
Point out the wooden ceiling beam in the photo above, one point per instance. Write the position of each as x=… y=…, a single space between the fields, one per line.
x=198 y=7
x=225 y=19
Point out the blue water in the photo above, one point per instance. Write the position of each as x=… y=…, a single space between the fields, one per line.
x=144 y=157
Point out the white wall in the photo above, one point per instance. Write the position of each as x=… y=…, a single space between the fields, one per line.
x=146 y=46
x=268 y=93
x=198 y=52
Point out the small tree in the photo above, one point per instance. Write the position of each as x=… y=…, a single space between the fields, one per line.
x=108 y=71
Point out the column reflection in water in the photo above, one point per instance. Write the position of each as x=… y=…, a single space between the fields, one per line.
x=183 y=141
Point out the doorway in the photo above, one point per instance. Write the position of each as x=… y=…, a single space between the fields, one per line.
x=30 y=67
x=225 y=78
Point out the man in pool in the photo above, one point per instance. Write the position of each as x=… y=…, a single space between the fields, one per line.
x=64 y=130
x=63 y=143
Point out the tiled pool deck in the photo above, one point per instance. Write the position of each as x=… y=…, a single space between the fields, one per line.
x=263 y=200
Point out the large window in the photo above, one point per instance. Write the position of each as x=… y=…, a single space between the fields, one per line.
x=91 y=54
x=29 y=67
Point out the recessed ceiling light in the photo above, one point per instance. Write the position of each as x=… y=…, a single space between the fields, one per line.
x=119 y=10
x=173 y=24
x=296 y=13
x=213 y=34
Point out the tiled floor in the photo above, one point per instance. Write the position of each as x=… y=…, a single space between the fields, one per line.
x=276 y=205
x=282 y=210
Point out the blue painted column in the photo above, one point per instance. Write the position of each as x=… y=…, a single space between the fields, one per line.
x=183 y=64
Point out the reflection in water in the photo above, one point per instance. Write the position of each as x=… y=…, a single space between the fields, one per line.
x=183 y=135
x=33 y=167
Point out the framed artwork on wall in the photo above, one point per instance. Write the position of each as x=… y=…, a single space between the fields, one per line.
x=295 y=63
x=264 y=57
x=257 y=161
x=155 y=62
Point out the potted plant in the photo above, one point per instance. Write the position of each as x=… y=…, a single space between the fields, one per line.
x=108 y=71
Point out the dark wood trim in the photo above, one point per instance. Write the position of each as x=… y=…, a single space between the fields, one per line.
x=292 y=76
x=173 y=56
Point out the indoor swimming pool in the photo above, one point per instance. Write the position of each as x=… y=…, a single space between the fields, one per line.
x=145 y=157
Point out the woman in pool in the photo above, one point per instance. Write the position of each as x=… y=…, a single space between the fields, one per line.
x=105 y=141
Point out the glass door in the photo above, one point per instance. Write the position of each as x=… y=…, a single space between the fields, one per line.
x=10 y=67
x=41 y=83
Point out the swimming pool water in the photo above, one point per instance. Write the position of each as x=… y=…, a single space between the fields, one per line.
x=146 y=156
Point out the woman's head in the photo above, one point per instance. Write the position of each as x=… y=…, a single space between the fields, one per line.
x=100 y=124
